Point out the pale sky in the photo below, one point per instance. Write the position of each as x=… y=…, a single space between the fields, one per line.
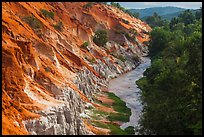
x=142 y=5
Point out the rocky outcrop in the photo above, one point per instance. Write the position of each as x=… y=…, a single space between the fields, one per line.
x=62 y=119
x=48 y=79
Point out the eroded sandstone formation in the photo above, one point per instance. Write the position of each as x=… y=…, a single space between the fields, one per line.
x=48 y=79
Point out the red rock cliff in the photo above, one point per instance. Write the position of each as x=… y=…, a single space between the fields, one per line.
x=45 y=69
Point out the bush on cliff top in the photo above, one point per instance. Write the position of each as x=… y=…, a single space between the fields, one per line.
x=88 y=5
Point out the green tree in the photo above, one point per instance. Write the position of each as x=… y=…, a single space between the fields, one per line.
x=155 y=20
x=172 y=86
x=198 y=14
x=187 y=17
x=174 y=21
x=159 y=40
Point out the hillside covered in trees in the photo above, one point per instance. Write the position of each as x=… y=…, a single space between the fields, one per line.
x=172 y=86
x=166 y=12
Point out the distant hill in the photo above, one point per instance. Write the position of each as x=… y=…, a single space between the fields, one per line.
x=171 y=15
x=165 y=12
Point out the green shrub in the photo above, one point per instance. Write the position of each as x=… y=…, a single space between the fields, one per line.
x=47 y=69
x=135 y=58
x=47 y=14
x=117 y=5
x=122 y=58
x=130 y=130
x=32 y=22
x=52 y=14
x=58 y=26
x=132 y=31
x=85 y=45
x=100 y=38
x=130 y=38
x=92 y=61
x=88 y=5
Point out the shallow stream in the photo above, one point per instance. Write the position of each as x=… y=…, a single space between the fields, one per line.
x=124 y=87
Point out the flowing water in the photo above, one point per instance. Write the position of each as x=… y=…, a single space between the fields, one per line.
x=125 y=88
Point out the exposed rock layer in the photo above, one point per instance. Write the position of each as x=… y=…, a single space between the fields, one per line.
x=47 y=77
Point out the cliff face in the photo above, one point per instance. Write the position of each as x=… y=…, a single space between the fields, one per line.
x=48 y=78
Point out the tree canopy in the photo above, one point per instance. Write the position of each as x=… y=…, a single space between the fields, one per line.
x=172 y=86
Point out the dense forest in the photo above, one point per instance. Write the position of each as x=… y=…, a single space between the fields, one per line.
x=172 y=86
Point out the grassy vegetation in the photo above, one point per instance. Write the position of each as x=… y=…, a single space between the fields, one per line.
x=97 y=114
x=59 y=26
x=115 y=130
x=102 y=113
x=118 y=117
x=122 y=115
x=100 y=124
x=92 y=60
x=130 y=38
x=47 y=14
x=85 y=45
x=32 y=22
x=101 y=103
x=118 y=104
x=89 y=108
